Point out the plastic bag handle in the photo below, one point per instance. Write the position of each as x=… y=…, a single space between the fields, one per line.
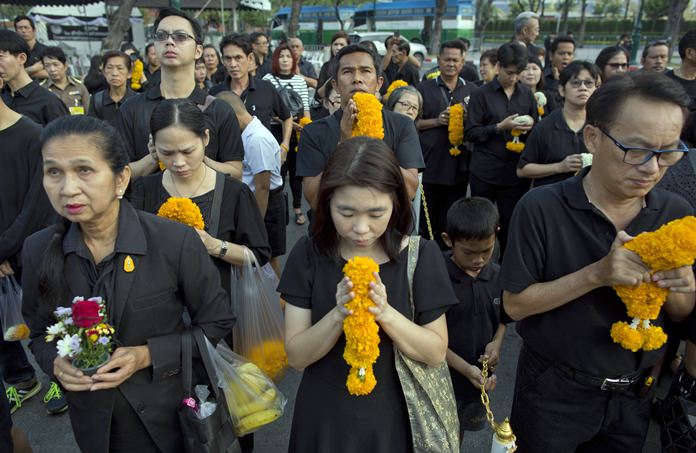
x=250 y=259
x=210 y=368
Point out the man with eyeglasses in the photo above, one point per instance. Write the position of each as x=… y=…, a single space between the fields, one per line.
x=444 y=179
x=178 y=42
x=577 y=390
x=655 y=56
x=553 y=151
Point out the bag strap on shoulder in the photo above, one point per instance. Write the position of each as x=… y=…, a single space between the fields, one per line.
x=214 y=223
x=413 y=245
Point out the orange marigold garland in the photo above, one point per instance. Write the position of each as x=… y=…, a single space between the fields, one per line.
x=672 y=246
x=369 y=120
x=303 y=122
x=360 y=328
x=393 y=86
x=455 y=128
x=137 y=75
x=182 y=210
x=516 y=146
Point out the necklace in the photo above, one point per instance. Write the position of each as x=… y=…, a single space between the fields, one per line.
x=176 y=189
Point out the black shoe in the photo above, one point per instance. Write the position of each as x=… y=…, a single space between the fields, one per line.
x=55 y=400
x=18 y=395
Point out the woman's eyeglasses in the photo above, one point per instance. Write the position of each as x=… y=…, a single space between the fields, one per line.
x=408 y=106
x=177 y=36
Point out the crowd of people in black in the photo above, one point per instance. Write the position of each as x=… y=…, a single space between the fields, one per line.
x=562 y=161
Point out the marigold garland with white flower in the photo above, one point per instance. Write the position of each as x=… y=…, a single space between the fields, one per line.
x=515 y=145
x=360 y=328
x=455 y=128
x=369 y=118
x=672 y=246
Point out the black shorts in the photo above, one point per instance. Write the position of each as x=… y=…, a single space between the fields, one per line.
x=275 y=221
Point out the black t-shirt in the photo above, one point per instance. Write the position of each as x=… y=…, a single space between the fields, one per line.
x=441 y=167
x=689 y=86
x=544 y=247
x=35 y=102
x=260 y=98
x=103 y=107
x=35 y=55
x=472 y=323
x=408 y=73
x=489 y=105
x=319 y=139
x=225 y=137
x=549 y=142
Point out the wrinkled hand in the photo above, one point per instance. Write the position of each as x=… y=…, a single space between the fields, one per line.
x=384 y=313
x=344 y=294
x=125 y=361
x=572 y=163
x=476 y=378
x=70 y=377
x=621 y=266
x=680 y=280
x=5 y=269
x=350 y=113
x=443 y=117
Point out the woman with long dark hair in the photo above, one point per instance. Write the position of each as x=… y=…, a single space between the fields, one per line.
x=363 y=210
x=613 y=61
x=148 y=270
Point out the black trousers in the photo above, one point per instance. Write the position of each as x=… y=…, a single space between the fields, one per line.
x=289 y=169
x=553 y=413
x=505 y=197
x=439 y=199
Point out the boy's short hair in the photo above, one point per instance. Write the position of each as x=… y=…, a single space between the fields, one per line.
x=54 y=52
x=472 y=218
x=13 y=44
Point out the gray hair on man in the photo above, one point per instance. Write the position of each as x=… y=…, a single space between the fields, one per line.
x=522 y=19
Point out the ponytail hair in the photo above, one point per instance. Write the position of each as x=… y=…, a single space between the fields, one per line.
x=53 y=287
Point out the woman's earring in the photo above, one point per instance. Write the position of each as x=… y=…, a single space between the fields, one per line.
x=120 y=194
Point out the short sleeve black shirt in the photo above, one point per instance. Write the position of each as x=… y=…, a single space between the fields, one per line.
x=489 y=105
x=549 y=142
x=689 y=86
x=472 y=323
x=260 y=98
x=544 y=247
x=35 y=55
x=440 y=166
x=225 y=137
x=103 y=107
x=319 y=139
x=35 y=102
x=408 y=73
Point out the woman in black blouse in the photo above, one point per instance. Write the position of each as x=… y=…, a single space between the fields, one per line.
x=147 y=269
x=180 y=134
x=363 y=211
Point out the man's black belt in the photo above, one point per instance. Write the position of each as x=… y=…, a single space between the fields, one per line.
x=610 y=384
x=276 y=191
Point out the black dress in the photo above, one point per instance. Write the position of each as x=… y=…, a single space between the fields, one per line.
x=327 y=418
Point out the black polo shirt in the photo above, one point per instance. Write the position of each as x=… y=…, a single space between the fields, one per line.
x=153 y=79
x=408 y=73
x=553 y=97
x=549 y=142
x=488 y=106
x=35 y=55
x=103 y=107
x=225 y=137
x=318 y=141
x=440 y=166
x=689 y=86
x=35 y=102
x=260 y=98
x=307 y=68
x=472 y=323
x=544 y=247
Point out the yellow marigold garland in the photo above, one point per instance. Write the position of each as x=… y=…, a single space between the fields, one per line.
x=360 y=328
x=137 y=75
x=303 y=122
x=455 y=128
x=369 y=119
x=516 y=146
x=393 y=86
x=672 y=246
x=182 y=210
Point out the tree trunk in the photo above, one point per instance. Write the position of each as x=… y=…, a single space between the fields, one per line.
x=437 y=29
x=543 y=8
x=674 y=18
x=583 y=22
x=337 y=3
x=483 y=17
x=294 y=18
x=564 y=16
x=627 y=6
x=119 y=23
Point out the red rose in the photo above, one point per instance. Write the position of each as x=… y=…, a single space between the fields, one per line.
x=85 y=313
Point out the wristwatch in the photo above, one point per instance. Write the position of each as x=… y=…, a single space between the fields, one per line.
x=223 y=249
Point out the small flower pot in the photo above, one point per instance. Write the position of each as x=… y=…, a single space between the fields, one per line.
x=90 y=370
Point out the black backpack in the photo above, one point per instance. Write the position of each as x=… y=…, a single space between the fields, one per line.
x=291 y=98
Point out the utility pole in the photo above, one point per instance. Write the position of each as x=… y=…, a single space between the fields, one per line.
x=637 y=28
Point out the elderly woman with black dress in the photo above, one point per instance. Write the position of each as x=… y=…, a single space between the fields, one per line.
x=148 y=270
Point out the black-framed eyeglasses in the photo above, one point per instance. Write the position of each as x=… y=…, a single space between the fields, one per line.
x=577 y=83
x=177 y=36
x=638 y=156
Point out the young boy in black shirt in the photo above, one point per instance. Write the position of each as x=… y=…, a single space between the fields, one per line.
x=474 y=326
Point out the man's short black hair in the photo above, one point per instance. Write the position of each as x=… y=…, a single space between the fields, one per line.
x=195 y=26
x=466 y=42
x=512 y=54
x=472 y=218
x=606 y=103
x=21 y=18
x=147 y=48
x=54 y=52
x=575 y=67
x=453 y=44
x=651 y=44
x=256 y=35
x=403 y=46
x=239 y=40
x=11 y=42
x=559 y=40
x=688 y=41
x=354 y=48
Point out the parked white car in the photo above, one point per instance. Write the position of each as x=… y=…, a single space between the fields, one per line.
x=418 y=50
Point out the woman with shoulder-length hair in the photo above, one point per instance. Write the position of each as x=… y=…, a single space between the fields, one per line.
x=148 y=270
x=613 y=61
x=364 y=210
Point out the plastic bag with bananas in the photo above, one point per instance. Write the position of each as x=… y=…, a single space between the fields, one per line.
x=252 y=398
